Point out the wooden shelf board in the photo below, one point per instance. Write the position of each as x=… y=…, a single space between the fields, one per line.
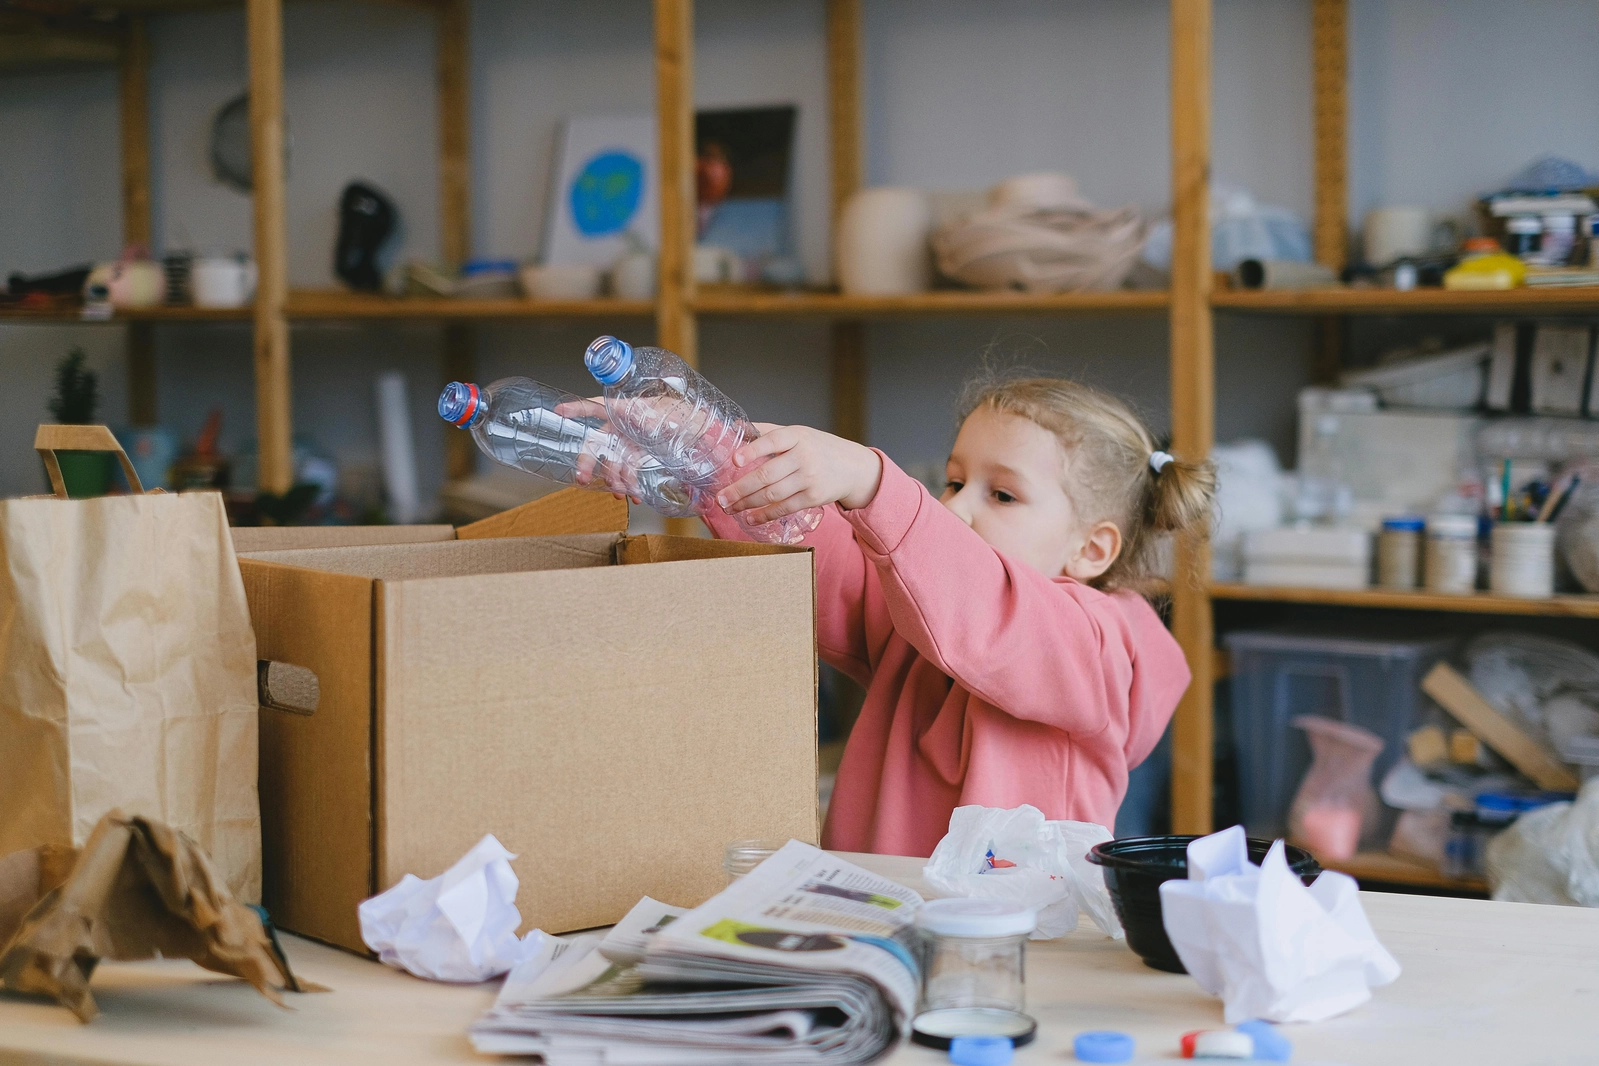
x=730 y=302
x=146 y=314
x=1475 y=603
x=334 y=304
x=1416 y=301
x=1390 y=869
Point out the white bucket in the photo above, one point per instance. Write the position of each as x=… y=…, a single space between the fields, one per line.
x=1523 y=559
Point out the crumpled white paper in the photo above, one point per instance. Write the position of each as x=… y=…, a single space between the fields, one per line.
x=459 y=926
x=1051 y=872
x=1269 y=946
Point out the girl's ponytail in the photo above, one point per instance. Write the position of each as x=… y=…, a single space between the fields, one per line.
x=1181 y=497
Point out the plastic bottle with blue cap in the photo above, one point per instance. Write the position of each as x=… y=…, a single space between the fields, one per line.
x=564 y=438
x=674 y=414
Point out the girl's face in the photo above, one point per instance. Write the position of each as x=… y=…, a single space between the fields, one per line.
x=1006 y=480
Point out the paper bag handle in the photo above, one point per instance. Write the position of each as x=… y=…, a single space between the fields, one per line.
x=52 y=437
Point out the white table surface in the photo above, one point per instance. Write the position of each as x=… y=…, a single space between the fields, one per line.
x=1494 y=983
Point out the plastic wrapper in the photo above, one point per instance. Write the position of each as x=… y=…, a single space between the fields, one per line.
x=1550 y=855
x=1018 y=856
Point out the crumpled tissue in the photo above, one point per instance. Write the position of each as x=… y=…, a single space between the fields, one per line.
x=459 y=926
x=1269 y=946
x=1018 y=856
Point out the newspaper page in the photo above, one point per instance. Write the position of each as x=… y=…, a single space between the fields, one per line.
x=807 y=959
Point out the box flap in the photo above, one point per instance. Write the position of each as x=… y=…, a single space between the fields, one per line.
x=570 y=510
x=283 y=538
x=454 y=558
x=658 y=548
x=316 y=769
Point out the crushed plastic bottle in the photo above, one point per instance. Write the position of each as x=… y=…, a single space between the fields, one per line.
x=551 y=434
x=669 y=410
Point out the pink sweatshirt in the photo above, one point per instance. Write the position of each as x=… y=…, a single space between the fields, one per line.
x=986 y=681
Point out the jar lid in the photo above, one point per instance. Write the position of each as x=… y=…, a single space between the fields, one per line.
x=975 y=917
x=1452 y=525
x=1405 y=524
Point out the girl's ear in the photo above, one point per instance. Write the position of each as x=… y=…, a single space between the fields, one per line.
x=1097 y=553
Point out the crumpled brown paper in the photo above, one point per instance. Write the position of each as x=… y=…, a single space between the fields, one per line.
x=137 y=889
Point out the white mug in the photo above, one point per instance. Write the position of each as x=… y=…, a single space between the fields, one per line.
x=217 y=281
x=1392 y=233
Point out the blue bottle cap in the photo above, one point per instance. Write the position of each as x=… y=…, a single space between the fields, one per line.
x=1270 y=1045
x=1103 y=1045
x=461 y=404
x=608 y=359
x=981 y=1050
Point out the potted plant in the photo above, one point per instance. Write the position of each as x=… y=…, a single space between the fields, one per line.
x=76 y=399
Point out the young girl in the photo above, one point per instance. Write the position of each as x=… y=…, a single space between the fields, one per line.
x=1007 y=654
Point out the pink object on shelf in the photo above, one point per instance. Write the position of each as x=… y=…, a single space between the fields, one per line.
x=1335 y=802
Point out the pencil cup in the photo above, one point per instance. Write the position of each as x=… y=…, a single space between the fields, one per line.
x=1523 y=559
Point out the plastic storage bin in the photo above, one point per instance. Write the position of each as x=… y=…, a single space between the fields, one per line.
x=1278 y=675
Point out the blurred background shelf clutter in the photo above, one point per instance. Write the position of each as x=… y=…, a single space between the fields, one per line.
x=258 y=236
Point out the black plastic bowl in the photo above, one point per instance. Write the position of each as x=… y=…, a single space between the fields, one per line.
x=1136 y=866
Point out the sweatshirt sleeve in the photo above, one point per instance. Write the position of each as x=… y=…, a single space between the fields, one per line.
x=842 y=573
x=1033 y=647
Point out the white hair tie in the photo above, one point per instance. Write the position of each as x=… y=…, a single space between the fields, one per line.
x=1158 y=460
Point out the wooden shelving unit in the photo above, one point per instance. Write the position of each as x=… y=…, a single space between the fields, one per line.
x=1392 y=870
x=1350 y=301
x=1190 y=302
x=1392 y=599
x=311 y=304
x=741 y=303
x=123 y=317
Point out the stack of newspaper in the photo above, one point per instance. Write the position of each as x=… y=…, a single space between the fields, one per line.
x=807 y=959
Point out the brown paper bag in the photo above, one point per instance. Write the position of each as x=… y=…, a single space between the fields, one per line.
x=127 y=669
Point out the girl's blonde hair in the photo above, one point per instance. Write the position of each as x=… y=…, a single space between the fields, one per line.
x=1111 y=478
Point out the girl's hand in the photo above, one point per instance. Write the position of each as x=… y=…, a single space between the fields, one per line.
x=796 y=467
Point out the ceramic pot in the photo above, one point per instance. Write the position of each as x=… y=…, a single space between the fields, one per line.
x=882 y=244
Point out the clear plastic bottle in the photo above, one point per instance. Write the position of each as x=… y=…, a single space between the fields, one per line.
x=687 y=423
x=520 y=422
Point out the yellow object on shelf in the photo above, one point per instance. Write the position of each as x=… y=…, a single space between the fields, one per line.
x=1486 y=266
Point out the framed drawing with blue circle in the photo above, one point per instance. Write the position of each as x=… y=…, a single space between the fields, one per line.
x=604 y=201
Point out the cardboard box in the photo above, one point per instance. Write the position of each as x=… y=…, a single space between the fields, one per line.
x=615 y=709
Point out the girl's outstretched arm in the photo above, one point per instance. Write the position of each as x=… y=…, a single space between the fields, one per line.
x=841 y=576
x=1039 y=649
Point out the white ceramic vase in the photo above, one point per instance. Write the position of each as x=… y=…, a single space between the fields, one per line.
x=882 y=242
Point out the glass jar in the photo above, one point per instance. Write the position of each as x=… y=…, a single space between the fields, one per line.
x=1399 y=553
x=1452 y=553
x=742 y=856
x=974 y=980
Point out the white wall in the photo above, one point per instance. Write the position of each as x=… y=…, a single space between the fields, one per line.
x=958 y=95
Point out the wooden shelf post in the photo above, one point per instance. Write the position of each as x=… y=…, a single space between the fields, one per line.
x=455 y=207
x=273 y=425
x=675 y=326
x=1193 y=400
x=1329 y=62
x=133 y=97
x=674 y=102
x=848 y=378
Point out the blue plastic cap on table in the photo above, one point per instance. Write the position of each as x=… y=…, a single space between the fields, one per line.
x=981 y=1050
x=1103 y=1045
x=1269 y=1043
